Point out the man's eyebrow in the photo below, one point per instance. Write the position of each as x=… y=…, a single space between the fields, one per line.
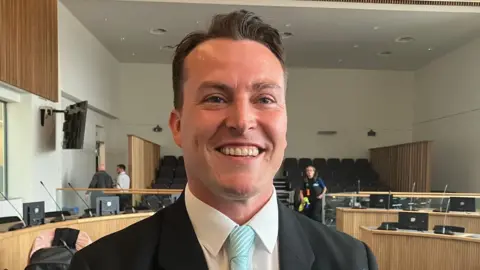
x=215 y=85
x=257 y=86
x=265 y=85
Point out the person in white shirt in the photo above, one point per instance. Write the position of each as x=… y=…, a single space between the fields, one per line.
x=123 y=180
x=230 y=120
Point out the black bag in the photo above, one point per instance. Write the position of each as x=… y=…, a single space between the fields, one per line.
x=59 y=255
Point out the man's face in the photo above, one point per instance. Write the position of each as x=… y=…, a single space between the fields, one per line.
x=233 y=124
x=310 y=171
x=119 y=170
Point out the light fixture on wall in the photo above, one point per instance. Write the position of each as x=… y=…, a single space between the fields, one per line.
x=371 y=133
x=158 y=128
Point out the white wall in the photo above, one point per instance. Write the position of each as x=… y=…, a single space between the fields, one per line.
x=447 y=111
x=349 y=101
x=87 y=71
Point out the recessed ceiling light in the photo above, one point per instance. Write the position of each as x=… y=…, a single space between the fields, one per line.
x=430 y=49
x=122 y=38
x=106 y=19
x=198 y=22
x=286 y=35
x=385 y=53
x=405 y=39
x=355 y=46
x=133 y=54
x=340 y=60
x=376 y=27
x=157 y=31
x=288 y=25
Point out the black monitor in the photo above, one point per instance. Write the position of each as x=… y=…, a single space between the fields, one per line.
x=109 y=205
x=413 y=221
x=381 y=201
x=74 y=125
x=34 y=213
x=462 y=204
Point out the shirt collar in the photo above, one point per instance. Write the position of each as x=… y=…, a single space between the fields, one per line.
x=212 y=227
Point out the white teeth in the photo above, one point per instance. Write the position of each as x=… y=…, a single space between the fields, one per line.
x=240 y=151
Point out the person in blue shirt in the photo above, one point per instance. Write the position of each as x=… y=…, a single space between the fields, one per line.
x=314 y=188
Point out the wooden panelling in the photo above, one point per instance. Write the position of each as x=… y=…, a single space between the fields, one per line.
x=400 y=250
x=15 y=246
x=143 y=161
x=29 y=46
x=352 y=219
x=399 y=166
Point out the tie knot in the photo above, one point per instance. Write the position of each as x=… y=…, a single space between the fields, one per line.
x=240 y=242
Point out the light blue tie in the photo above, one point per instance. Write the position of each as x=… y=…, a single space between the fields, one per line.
x=240 y=243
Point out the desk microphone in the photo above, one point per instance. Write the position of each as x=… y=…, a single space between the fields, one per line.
x=358 y=186
x=57 y=219
x=443 y=229
x=388 y=200
x=18 y=225
x=411 y=204
x=88 y=211
x=441 y=202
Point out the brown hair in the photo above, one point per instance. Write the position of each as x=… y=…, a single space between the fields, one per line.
x=237 y=25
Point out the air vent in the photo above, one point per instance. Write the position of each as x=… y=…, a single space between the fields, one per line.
x=404 y=39
x=168 y=47
x=326 y=132
x=385 y=53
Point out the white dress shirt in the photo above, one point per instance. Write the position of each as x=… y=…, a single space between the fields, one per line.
x=123 y=181
x=213 y=227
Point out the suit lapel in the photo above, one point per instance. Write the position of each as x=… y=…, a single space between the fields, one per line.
x=178 y=245
x=295 y=252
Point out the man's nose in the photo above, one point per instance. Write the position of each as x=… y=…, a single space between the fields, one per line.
x=241 y=116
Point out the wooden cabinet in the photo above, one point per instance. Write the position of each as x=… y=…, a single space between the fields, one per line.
x=29 y=46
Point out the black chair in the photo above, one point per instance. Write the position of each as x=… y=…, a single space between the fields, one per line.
x=180 y=180
x=180 y=172
x=333 y=164
x=319 y=163
x=10 y=219
x=163 y=182
x=170 y=161
x=347 y=163
x=179 y=183
x=55 y=214
x=290 y=163
x=304 y=162
x=166 y=172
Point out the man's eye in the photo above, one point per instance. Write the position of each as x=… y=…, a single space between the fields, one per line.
x=215 y=99
x=266 y=100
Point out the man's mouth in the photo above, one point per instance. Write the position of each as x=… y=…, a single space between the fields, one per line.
x=240 y=151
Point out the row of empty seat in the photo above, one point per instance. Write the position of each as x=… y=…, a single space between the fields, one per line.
x=340 y=175
x=171 y=173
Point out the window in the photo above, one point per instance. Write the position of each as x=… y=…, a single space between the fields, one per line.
x=3 y=150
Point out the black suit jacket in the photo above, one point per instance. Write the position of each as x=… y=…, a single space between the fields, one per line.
x=167 y=241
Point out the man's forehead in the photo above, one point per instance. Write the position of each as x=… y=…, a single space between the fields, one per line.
x=227 y=51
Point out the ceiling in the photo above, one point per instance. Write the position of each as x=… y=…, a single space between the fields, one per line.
x=322 y=37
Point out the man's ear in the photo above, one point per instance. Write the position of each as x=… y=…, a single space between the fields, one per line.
x=174 y=123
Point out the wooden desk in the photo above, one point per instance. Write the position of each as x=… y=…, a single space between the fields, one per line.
x=400 y=250
x=350 y=220
x=15 y=246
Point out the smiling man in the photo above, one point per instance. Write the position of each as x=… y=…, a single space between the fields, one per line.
x=230 y=120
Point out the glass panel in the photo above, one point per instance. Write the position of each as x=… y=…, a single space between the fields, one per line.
x=3 y=177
